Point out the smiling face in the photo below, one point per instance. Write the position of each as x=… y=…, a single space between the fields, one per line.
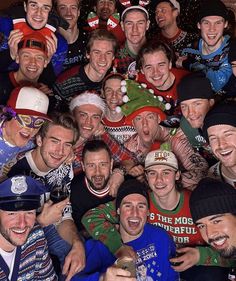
x=135 y=25
x=133 y=213
x=195 y=110
x=112 y=93
x=219 y=232
x=146 y=125
x=15 y=227
x=69 y=10
x=37 y=12
x=88 y=118
x=100 y=58
x=54 y=148
x=31 y=64
x=156 y=68
x=161 y=179
x=97 y=167
x=105 y=8
x=165 y=15
x=222 y=141
x=17 y=134
x=212 y=28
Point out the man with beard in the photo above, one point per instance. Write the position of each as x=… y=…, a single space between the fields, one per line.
x=50 y=163
x=89 y=189
x=213 y=209
x=152 y=244
x=220 y=129
x=107 y=18
x=24 y=253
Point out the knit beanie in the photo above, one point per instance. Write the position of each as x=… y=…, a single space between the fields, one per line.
x=212 y=8
x=232 y=51
x=212 y=197
x=221 y=114
x=194 y=86
x=131 y=186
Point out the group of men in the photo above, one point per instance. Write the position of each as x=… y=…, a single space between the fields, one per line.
x=144 y=126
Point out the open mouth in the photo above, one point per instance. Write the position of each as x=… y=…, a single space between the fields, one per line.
x=133 y=223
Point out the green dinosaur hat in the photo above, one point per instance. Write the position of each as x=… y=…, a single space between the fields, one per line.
x=138 y=99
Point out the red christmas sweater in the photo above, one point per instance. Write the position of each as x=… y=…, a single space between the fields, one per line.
x=170 y=95
x=178 y=223
x=119 y=130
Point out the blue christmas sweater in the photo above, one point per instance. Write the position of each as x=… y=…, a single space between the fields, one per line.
x=154 y=248
x=215 y=65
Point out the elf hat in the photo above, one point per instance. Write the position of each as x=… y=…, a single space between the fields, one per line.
x=34 y=41
x=29 y=101
x=138 y=99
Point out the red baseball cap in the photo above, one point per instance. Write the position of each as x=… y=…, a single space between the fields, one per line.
x=29 y=101
x=34 y=40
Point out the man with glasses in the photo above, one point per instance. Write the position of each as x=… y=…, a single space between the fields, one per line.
x=21 y=119
x=32 y=57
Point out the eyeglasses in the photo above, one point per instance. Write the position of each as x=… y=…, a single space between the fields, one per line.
x=29 y=121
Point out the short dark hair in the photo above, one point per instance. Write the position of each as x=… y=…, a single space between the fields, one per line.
x=95 y=146
x=112 y=76
x=65 y=120
x=101 y=34
x=151 y=47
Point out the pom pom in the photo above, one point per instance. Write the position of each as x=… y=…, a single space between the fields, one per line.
x=118 y=109
x=160 y=98
x=123 y=83
x=167 y=106
x=144 y=85
x=151 y=91
x=123 y=89
x=125 y=98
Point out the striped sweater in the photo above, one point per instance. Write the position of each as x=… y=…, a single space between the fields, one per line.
x=32 y=261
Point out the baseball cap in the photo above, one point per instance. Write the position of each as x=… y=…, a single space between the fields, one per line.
x=35 y=41
x=161 y=157
x=21 y=193
x=135 y=7
x=29 y=101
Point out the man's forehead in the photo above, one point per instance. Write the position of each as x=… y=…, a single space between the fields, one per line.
x=109 y=1
x=90 y=109
x=41 y=2
x=135 y=15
